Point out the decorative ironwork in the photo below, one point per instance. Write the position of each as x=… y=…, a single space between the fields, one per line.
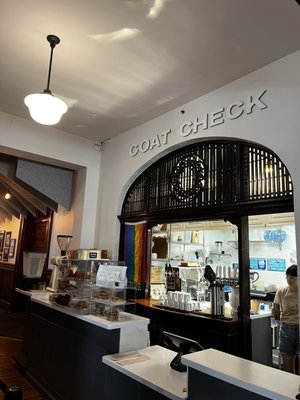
x=187 y=178
x=208 y=178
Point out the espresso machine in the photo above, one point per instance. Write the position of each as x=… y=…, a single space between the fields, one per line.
x=59 y=262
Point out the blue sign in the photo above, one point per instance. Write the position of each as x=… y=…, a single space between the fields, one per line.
x=257 y=263
x=276 y=264
x=275 y=235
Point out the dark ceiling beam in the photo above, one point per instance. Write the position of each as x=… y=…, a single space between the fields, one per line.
x=21 y=199
x=5 y=214
x=8 y=208
x=28 y=200
x=14 y=202
x=46 y=200
x=28 y=205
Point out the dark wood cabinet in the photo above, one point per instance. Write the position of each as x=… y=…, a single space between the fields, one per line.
x=34 y=235
x=64 y=353
x=221 y=334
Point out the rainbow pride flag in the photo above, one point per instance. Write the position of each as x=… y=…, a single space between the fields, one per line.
x=135 y=251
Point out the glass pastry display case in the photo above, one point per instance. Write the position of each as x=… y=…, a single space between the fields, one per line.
x=74 y=285
x=92 y=287
x=109 y=302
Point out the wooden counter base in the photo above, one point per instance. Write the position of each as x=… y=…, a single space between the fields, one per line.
x=64 y=351
x=210 y=332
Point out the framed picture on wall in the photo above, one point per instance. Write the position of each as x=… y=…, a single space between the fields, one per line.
x=7 y=239
x=2 y=236
x=12 y=247
x=5 y=253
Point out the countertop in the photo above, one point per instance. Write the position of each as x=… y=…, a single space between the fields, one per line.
x=257 y=378
x=261 y=314
x=154 y=371
x=126 y=319
x=204 y=313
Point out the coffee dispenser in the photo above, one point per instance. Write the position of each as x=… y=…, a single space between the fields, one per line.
x=216 y=288
x=217 y=299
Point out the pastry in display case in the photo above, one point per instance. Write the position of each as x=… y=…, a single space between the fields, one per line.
x=74 y=285
x=108 y=302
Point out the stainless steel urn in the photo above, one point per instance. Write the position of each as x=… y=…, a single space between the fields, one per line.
x=217 y=299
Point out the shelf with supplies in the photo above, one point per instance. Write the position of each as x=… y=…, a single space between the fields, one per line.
x=235 y=243
x=186 y=243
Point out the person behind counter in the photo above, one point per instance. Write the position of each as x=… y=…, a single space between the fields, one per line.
x=287 y=298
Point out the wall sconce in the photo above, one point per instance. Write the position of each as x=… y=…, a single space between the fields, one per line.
x=45 y=108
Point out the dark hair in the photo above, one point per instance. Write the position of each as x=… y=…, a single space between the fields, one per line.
x=292 y=270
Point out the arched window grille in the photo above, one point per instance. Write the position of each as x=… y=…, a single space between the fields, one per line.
x=210 y=179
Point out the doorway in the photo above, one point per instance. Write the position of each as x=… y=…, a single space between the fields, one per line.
x=223 y=178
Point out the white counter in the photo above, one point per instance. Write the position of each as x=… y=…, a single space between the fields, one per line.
x=262 y=314
x=154 y=372
x=134 y=329
x=265 y=381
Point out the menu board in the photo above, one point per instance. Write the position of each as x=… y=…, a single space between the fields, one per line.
x=276 y=264
x=257 y=263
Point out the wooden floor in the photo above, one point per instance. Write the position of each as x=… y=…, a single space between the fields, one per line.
x=9 y=372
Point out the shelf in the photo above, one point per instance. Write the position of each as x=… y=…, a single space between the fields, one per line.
x=112 y=303
x=186 y=243
x=234 y=243
x=219 y=254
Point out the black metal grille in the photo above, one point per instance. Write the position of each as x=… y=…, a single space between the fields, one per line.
x=206 y=175
x=136 y=198
x=268 y=177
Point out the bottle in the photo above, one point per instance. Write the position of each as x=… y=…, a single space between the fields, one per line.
x=262 y=307
x=234 y=300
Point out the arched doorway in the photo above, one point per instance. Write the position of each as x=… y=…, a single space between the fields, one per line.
x=225 y=179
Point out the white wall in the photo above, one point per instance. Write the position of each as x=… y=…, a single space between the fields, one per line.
x=29 y=140
x=63 y=224
x=98 y=198
x=276 y=127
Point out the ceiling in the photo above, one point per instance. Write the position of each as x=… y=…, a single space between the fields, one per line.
x=121 y=63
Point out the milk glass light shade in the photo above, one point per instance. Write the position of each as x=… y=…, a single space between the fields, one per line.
x=45 y=108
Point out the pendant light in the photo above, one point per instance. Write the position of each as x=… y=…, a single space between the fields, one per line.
x=45 y=108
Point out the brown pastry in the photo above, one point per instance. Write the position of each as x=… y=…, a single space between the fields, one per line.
x=99 y=309
x=103 y=295
x=79 y=274
x=63 y=299
x=117 y=300
x=112 y=315
x=62 y=284
x=81 y=304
